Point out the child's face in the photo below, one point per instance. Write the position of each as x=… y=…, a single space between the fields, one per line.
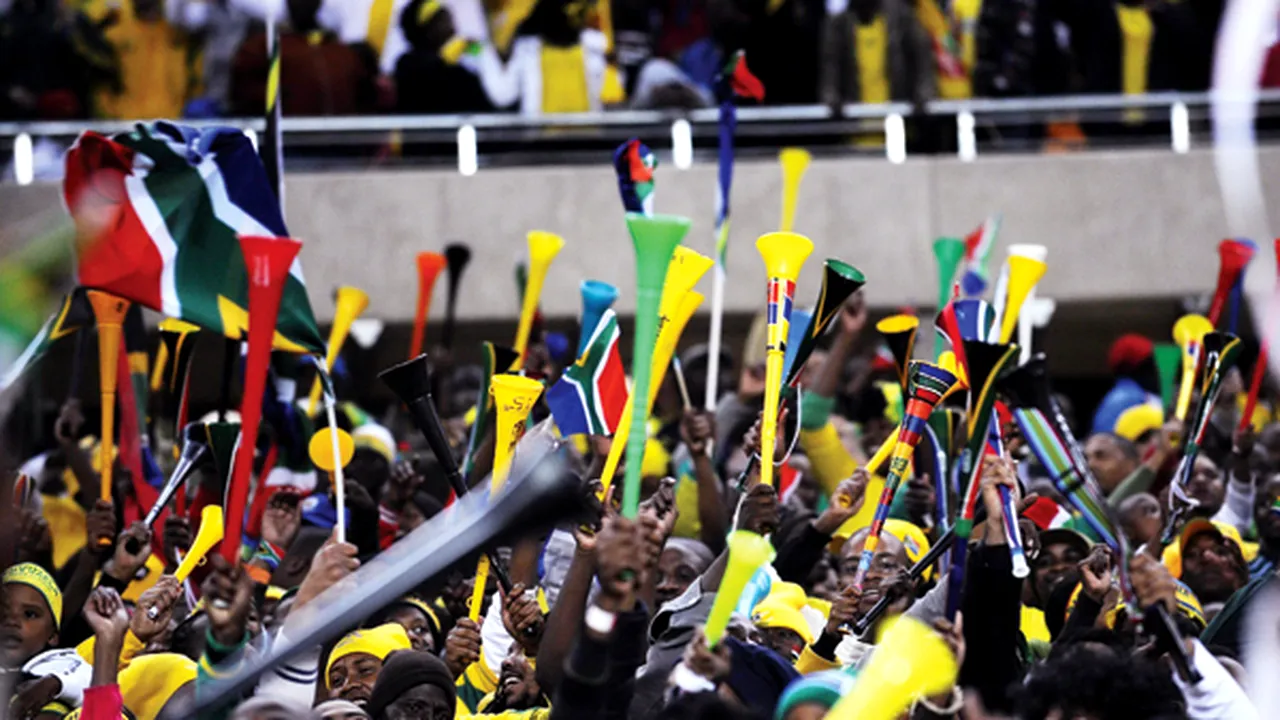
x=26 y=626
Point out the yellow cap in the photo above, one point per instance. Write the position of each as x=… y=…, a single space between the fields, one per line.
x=1188 y=606
x=150 y=680
x=912 y=538
x=1172 y=557
x=1139 y=419
x=41 y=581
x=656 y=459
x=781 y=608
x=378 y=642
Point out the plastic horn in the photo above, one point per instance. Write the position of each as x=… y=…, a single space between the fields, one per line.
x=193 y=452
x=664 y=350
x=456 y=257
x=597 y=297
x=266 y=261
x=795 y=161
x=513 y=397
x=947 y=335
x=1233 y=256
x=1255 y=387
x=209 y=534
x=748 y=552
x=429 y=266
x=109 y=312
x=928 y=385
x=784 y=254
x=543 y=248
x=349 y=303
x=411 y=383
x=497 y=359
x=1188 y=332
x=899 y=333
x=179 y=339
x=948 y=251
x=839 y=281
x=1168 y=357
x=910 y=661
x=1220 y=353
x=655 y=238
x=1026 y=267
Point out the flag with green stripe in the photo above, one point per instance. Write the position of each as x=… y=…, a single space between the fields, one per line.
x=158 y=211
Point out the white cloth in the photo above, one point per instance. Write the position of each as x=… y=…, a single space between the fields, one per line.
x=349 y=20
x=1217 y=696
x=292 y=682
x=71 y=670
x=495 y=641
x=1237 y=508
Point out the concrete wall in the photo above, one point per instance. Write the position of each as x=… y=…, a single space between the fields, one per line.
x=1118 y=224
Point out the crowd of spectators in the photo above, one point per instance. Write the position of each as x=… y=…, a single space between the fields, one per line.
x=131 y=59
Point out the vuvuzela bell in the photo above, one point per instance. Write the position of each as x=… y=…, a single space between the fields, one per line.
x=784 y=254
x=543 y=248
x=349 y=302
x=1025 y=270
x=1188 y=332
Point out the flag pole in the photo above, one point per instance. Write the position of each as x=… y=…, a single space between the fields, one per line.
x=272 y=148
x=728 y=123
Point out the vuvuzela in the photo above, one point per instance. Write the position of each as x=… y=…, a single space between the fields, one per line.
x=109 y=312
x=429 y=266
x=513 y=398
x=349 y=303
x=266 y=262
x=784 y=254
x=655 y=238
x=543 y=248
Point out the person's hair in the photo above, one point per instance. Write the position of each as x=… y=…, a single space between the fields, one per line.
x=1126 y=446
x=1084 y=680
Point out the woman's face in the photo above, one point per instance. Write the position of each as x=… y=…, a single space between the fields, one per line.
x=351 y=677
x=416 y=624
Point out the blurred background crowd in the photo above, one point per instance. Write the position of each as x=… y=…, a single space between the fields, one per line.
x=127 y=59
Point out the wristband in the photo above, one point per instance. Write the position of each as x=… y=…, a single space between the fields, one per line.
x=600 y=621
x=690 y=681
x=957 y=702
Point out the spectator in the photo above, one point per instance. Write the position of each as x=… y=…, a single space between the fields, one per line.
x=433 y=76
x=319 y=74
x=153 y=58
x=875 y=51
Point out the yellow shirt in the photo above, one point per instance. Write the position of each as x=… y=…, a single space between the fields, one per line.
x=871 y=41
x=155 y=63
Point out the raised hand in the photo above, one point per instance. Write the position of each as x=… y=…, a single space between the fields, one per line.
x=334 y=562
x=619 y=559
x=759 y=510
x=846 y=501
x=522 y=618
x=129 y=557
x=228 y=592
x=844 y=609
x=1095 y=573
x=282 y=519
x=177 y=537
x=462 y=647
x=70 y=420
x=697 y=428
x=106 y=615
x=155 y=608
x=714 y=665
x=100 y=529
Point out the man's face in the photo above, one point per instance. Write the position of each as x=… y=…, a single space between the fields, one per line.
x=26 y=626
x=1054 y=563
x=352 y=677
x=1141 y=518
x=1213 y=567
x=889 y=559
x=1107 y=461
x=518 y=687
x=423 y=702
x=784 y=641
x=1206 y=486
x=1265 y=514
x=677 y=570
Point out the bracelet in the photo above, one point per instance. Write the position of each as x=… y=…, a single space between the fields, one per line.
x=600 y=621
x=957 y=702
